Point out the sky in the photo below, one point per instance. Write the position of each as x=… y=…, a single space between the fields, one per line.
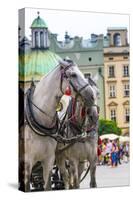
x=81 y=24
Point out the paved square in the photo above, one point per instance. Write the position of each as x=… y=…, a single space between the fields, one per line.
x=107 y=176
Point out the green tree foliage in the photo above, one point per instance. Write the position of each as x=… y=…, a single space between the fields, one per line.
x=107 y=127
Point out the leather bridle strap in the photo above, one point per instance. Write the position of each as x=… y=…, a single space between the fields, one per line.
x=63 y=75
x=75 y=89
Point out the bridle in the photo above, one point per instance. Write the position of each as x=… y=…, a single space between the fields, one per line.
x=64 y=69
x=84 y=127
x=90 y=133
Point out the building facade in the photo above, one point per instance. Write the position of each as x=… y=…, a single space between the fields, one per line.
x=116 y=77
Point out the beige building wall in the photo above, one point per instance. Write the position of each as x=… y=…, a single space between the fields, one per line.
x=120 y=102
x=116 y=78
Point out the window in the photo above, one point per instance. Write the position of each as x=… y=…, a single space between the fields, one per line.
x=117 y=39
x=111 y=58
x=41 y=39
x=113 y=114
x=125 y=57
x=87 y=75
x=36 y=39
x=89 y=58
x=127 y=115
x=112 y=91
x=111 y=71
x=125 y=71
x=126 y=90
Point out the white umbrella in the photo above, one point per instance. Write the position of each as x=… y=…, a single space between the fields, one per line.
x=109 y=136
x=124 y=139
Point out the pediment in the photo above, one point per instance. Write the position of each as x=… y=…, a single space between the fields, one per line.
x=126 y=102
x=112 y=104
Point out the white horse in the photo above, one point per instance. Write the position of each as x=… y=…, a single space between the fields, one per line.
x=36 y=145
x=77 y=153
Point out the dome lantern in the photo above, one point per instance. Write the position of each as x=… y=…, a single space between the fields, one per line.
x=39 y=31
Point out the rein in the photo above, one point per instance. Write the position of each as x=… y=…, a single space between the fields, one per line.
x=79 y=138
x=40 y=129
x=42 y=111
x=32 y=122
x=83 y=114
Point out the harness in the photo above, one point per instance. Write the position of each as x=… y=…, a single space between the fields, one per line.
x=30 y=119
x=54 y=131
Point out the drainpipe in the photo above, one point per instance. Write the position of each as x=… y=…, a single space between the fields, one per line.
x=100 y=73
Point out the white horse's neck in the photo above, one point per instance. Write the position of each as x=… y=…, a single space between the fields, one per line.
x=45 y=97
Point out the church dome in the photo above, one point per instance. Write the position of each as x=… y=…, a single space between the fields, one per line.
x=39 y=23
x=36 y=63
x=35 y=58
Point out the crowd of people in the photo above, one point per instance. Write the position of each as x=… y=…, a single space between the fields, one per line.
x=112 y=152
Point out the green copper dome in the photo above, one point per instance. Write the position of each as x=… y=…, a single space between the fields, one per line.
x=36 y=63
x=39 y=23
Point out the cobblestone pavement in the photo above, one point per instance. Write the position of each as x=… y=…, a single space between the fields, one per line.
x=107 y=176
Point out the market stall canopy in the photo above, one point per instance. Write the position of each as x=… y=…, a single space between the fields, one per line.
x=109 y=136
x=124 y=139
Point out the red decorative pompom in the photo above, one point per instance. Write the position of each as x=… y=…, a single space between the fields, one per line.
x=68 y=91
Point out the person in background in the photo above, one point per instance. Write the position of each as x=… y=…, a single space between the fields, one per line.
x=118 y=152
x=104 y=152
x=114 y=155
x=108 y=151
x=121 y=151
x=126 y=152
x=99 y=151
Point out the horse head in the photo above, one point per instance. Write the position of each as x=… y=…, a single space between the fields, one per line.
x=76 y=81
x=93 y=111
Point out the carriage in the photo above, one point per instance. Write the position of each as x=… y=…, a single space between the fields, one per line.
x=46 y=130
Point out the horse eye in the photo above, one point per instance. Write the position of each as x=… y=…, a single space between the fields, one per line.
x=73 y=75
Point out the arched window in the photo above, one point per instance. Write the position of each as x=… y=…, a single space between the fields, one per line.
x=36 y=39
x=117 y=39
x=41 y=39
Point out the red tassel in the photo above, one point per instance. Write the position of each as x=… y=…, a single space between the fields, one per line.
x=68 y=91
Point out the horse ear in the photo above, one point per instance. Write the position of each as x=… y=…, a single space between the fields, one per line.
x=95 y=78
x=63 y=63
x=32 y=83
